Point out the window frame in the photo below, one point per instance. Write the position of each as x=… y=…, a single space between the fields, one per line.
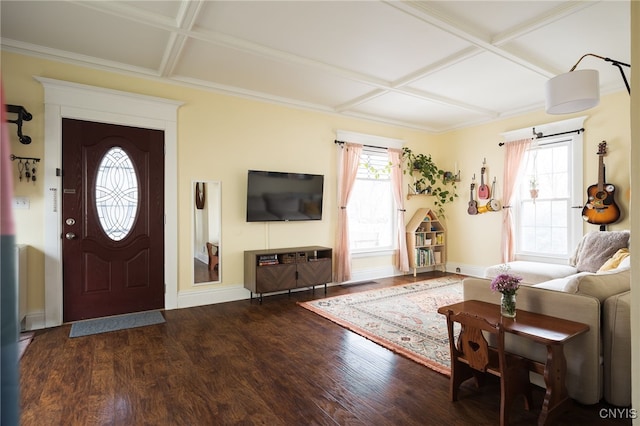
x=360 y=252
x=576 y=188
x=372 y=141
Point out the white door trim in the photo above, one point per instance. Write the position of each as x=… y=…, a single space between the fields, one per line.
x=64 y=99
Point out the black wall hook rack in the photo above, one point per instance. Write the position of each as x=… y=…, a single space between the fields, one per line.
x=23 y=115
x=15 y=157
x=29 y=170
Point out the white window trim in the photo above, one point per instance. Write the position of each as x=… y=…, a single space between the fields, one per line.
x=577 y=164
x=371 y=140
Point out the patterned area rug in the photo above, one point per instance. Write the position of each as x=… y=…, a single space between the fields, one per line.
x=401 y=318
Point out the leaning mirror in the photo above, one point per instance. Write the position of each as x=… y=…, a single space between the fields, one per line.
x=206 y=232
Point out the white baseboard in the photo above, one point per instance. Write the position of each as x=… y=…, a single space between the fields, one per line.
x=188 y=299
x=34 y=321
x=390 y=271
x=464 y=269
x=372 y=274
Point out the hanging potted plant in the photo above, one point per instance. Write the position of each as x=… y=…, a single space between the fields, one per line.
x=533 y=187
x=429 y=178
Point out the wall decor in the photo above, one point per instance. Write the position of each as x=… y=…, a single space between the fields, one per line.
x=22 y=115
x=27 y=167
x=200 y=195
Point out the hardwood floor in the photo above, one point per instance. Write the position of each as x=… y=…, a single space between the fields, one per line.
x=246 y=363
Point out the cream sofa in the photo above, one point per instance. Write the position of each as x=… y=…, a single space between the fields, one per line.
x=599 y=361
x=593 y=251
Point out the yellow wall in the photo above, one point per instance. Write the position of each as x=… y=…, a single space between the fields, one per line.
x=220 y=137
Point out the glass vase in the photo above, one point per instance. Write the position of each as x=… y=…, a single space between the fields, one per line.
x=508 y=305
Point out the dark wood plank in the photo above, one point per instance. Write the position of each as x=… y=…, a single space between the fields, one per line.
x=247 y=363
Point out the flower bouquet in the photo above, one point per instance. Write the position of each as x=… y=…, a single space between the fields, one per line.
x=508 y=285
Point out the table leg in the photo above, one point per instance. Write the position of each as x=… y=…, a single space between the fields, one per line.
x=556 y=399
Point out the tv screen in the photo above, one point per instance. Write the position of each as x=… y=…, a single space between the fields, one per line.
x=277 y=196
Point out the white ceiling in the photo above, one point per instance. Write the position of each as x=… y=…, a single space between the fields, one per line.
x=430 y=65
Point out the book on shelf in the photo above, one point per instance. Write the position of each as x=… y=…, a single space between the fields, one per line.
x=424 y=257
x=422 y=240
x=268 y=259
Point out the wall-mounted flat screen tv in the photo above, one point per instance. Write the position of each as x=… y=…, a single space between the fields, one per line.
x=278 y=196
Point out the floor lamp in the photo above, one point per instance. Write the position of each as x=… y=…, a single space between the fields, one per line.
x=576 y=91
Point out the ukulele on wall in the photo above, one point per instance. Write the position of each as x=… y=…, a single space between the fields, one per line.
x=601 y=207
x=483 y=189
x=473 y=205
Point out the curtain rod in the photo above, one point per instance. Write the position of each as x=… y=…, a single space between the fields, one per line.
x=368 y=146
x=539 y=135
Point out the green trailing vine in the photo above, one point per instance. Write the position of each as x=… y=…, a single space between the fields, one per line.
x=432 y=179
x=428 y=178
x=376 y=171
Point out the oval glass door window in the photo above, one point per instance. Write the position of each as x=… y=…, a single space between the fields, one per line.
x=116 y=194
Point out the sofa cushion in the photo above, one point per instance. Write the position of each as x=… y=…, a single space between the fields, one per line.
x=600 y=286
x=624 y=264
x=567 y=284
x=532 y=272
x=597 y=247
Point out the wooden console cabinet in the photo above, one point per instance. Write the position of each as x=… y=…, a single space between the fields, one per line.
x=272 y=270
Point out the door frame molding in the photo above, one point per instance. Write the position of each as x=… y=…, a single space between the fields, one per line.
x=65 y=99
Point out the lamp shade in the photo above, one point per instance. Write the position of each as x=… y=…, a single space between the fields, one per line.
x=572 y=92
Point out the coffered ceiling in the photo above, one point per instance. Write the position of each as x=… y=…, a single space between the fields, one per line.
x=430 y=65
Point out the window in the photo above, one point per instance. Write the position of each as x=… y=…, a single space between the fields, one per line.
x=549 y=185
x=371 y=206
x=116 y=194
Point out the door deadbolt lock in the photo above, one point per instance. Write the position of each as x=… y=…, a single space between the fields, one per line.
x=70 y=221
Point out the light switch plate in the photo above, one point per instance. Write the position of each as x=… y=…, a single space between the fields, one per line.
x=21 y=203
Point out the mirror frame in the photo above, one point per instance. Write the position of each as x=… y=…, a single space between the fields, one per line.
x=203 y=198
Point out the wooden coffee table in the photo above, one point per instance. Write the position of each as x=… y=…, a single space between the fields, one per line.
x=550 y=331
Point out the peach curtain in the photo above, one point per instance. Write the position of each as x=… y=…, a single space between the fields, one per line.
x=514 y=153
x=402 y=259
x=349 y=161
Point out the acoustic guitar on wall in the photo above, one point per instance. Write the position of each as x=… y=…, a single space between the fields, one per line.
x=601 y=208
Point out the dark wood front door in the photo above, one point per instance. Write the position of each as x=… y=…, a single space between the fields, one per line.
x=112 y=219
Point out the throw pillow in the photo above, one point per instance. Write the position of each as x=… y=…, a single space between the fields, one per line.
x=614 y=261
x=625 y=264
x=598 y=247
